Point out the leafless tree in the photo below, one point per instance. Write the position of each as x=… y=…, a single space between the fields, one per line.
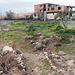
x=10 y=15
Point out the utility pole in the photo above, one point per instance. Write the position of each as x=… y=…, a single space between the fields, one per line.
x=25 y=10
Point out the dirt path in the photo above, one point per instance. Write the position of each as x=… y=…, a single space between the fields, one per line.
x=37 y=65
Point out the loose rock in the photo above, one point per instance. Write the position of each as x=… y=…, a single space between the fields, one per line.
x=7 y=48
x=39 y=46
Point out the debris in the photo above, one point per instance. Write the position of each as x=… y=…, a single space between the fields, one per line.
x=39 y=46
x=62 y=53
x=7 y=49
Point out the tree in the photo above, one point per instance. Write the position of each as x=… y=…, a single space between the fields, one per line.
x=65 y=17
x=10 y=15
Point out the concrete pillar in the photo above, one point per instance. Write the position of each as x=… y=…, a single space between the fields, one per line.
x=45 y=16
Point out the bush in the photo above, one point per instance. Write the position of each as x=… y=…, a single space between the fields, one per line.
x=65 y=41
x=71 y=31
x=61 y=31
x=65 y=35
x=58 y=28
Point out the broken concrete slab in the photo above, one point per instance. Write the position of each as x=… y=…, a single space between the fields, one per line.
x=7 y=49
x=62 y=53
x=66 y=57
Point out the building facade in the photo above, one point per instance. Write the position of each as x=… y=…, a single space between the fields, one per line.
x=48 y=11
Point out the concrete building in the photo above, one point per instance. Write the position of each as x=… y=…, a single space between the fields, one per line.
x=48 y=11
x=27 y=15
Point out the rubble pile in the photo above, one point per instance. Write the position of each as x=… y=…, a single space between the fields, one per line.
x=61 y=62
x=12 y=62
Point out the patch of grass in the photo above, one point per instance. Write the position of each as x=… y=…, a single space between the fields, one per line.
x=46 y=64
x=17 y=31
x=69 y=49
x=70 y=31
x=56 y=51
x=47 y=36
x=65 y=41
x=0 y=52
x=58 y=28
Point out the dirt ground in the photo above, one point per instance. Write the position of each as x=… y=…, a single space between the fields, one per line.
x=37 y=64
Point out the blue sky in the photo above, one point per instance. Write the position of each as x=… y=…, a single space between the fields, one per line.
x=19 y=6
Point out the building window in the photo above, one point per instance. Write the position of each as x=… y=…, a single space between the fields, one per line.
x=40 y=5
x=52 y=8
x=49 y=5
x=44 y=9
x=48 y=9
x=59 y=8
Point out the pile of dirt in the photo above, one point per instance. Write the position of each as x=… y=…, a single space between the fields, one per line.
x=12 y=63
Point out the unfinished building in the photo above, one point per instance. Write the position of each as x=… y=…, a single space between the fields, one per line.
x=48 y=11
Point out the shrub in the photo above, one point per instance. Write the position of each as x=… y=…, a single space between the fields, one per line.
x=61 y=31
x=71 y=31
x=58 y=28
x=65 y=41
x=65 y=35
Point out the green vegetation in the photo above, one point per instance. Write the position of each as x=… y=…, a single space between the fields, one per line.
x=46 y=64
x=65 y=41
x=0 y=52
x=58 y=28
x=46 y=36
x=69 y=49
x=17 y=31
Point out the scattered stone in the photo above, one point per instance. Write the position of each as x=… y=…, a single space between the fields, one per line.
x=62 y=53
x=58 y=44
x=41 y=37
x=61 y=72
x=56 y=56
x=32 y=42
x=20 y=67
x=29 y=37
x=18 y=52
x=70 y=62
x=44 y=46
x=1 y=72
x=39 y=46
x=60 y=64
x=56 y=60
x=44 y=42
x=27 y=26
x=53 y=67
x=38 y=34
x=18 y=59
x=66 y=57
x=7 y=49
